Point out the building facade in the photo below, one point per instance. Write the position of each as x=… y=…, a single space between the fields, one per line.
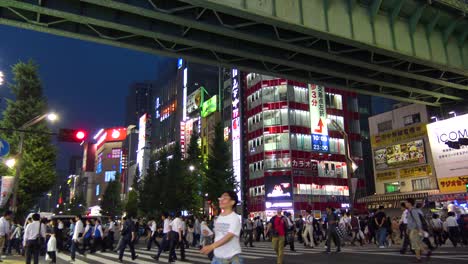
x=295 y=160
x=402 y=159
x=108 y=163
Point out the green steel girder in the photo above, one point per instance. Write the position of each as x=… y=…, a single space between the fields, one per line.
x=396 y=11
x=374 y=8
x=284 y=14
x=414 y=19
x=174 y=28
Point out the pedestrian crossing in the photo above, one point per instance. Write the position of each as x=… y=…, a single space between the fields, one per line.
x=260 y=251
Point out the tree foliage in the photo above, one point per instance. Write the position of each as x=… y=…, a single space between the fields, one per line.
x=39 y=156
x=111 y=203
x=219 y=174
x=150 y=190
x=193 y=179
x=131 y=207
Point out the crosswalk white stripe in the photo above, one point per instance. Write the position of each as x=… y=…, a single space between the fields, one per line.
x=194 y=251
x=190 y=257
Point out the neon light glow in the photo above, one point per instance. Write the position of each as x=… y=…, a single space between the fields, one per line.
x=98 y=133
x=115 y=133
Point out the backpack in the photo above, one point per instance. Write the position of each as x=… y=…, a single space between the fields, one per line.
x=273 y=230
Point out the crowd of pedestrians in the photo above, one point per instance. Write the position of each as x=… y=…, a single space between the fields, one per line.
x=220 y=237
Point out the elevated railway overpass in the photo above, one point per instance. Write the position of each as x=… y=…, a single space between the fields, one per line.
x=408 y=50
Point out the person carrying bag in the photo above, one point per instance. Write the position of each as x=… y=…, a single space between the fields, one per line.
x=33 y=240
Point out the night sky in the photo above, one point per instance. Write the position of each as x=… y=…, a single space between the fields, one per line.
x=84 y=82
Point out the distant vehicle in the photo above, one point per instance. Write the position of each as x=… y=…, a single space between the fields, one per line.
x=47 y=215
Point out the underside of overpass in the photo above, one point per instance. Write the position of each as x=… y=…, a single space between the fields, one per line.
x=408 y=50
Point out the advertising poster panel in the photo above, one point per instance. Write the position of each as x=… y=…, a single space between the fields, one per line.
x=451 y=165
x=400 y=155
x=279 y=192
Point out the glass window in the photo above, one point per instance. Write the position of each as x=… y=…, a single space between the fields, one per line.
x=412 y=119
x=277 y=162
x=278 y=141
x=422 y=184
x=334 y=101
x=356 y=148
x=392 y=187
x=384 y=126
x=332 y=169
x=337 y=146
x=301 y=142
x=352 y=104
x=109 y=176
x=98 y=189
x=338 y=119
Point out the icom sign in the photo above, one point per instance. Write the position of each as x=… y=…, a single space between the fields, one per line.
x=449 y=162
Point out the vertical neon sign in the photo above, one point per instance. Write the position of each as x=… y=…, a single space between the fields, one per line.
x=236 y=128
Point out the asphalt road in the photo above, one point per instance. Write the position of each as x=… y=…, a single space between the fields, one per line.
x=263 y=253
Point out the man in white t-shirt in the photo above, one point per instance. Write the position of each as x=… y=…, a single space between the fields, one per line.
x=308 y=234
x=227 y=230
x=176 y=239
x=166 y=233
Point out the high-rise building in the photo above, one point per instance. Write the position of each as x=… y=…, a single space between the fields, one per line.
x=140 y=100
x=177 y=105
x=296 y=159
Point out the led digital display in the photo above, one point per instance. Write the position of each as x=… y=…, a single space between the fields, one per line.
x=279 y=191
x=320 y=143
x=209 y=106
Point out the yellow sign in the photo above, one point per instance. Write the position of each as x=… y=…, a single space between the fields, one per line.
x=396 y=136
x=453 y=184
x=418 y=171
x=386 y=175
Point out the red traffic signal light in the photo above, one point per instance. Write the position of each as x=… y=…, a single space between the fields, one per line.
x=72 y=135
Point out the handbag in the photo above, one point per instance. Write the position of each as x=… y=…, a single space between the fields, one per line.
x=39 y=239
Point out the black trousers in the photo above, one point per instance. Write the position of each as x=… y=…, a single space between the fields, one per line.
x=53 y=256
x=174 y=242
x=127 y=241
x=32 y=251
x=332 y=234
x=98 y=243
x=164 y=244
x=249 y=238
x=151 y=240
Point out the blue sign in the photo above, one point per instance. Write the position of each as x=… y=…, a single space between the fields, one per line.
x=4 y=148
x=180 y=63
x=320 y=143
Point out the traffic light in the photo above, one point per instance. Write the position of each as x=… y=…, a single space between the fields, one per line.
x=72 y=135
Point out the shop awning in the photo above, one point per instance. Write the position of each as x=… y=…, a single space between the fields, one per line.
x=396 y=197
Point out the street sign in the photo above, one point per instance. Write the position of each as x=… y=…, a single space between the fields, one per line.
x=4 y=147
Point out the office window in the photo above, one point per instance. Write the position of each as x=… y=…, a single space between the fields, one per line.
x=98 y=189
x=412 y=119
x=385 y=126
x=334 y=101
x=422 y=184
x=116 y=153
x=109 y=176
x=392 y=187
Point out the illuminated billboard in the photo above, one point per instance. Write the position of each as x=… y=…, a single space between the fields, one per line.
x=194 y=101
x=110 y=135
x=236 y=128
x=143 y=144
x=209 y=106
x=318 y=110
x=278 y=192
x=400 y=154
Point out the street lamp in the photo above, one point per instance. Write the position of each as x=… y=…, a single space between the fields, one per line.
x=51 y=117
x=1 y=78
x=10 y=163
x=351 y=166
x=191 y=168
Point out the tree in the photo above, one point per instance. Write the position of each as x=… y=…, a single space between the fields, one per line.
x=131 y=207
x=219 y=174
x=77 y=205
x=39 y=156
x=149 y=189
x=111 y=203
x=193 y=180
x=176 y=171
